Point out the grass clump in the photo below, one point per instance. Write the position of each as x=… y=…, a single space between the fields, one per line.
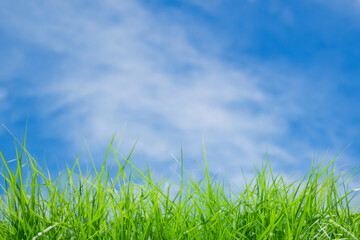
x=134 y=205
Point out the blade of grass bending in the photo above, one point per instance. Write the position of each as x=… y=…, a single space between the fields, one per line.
x=92 y=160
x=181 y=179
x=209 y=188
x=122 y=134
x=147 y=179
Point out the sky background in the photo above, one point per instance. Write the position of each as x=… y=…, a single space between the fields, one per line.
x=247 y=76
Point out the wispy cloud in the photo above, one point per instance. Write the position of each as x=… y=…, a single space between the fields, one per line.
x=123 y=63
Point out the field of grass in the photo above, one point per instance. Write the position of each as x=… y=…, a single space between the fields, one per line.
x=134 y=205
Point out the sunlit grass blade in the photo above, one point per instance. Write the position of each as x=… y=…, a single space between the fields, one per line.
x=134 y=204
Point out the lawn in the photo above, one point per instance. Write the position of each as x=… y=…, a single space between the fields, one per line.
x=132 y=204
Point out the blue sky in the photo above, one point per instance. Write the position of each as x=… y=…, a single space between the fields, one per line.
x=245 y=75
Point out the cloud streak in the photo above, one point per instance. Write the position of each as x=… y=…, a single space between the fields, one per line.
x=123 y=63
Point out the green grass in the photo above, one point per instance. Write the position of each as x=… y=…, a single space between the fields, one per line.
x=134 y=205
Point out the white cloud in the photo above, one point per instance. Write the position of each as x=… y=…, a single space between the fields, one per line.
x=9 y=66
x=123 y=63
